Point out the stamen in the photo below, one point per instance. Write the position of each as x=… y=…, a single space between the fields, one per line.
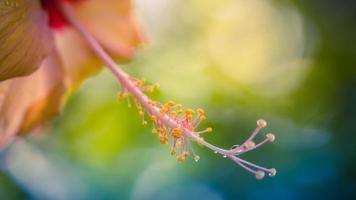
x=270 y=137
x=176 y=132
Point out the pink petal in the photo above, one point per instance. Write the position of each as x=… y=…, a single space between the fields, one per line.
x=112 y=23
x=78 y=60
x=26 y=102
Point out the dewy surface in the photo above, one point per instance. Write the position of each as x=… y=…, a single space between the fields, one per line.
x=171 y=122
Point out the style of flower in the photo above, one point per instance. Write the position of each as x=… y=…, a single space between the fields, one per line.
x=170 y=121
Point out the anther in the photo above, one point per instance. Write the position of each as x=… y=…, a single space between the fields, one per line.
x=176 y=132
x=174 y=113
x=153 y=118
x=140 y=82
x=209 y=130
x=179 y=106
x=163 y=139
x=181 y=157
x=270 y=137
x=261 y=123
x=196 y=158
x=152 y=103
x=163 y=110
x=202 y=117
x=200 y=111
x=189 y=111
x=170 y=103
x=260 y=174
x=272 y=172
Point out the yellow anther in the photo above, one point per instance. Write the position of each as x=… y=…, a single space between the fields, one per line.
x=154 y=130
x=174 y=113
x=141 y=113
x=163 y=110
x=270 y=137
x=163 y=139
x=179 y=106
x=153 y=118
x=144 y=123
x=176 y=132
x=196 y=158
x=200 y=111
x=170 y=103
x=173 y=151
x=162 y=130
x=189 y=111
x=152 y=103
x=261 y=123
x=202 y=117
x=209 y=129
x=140 y=82
x=181 y=157
x=122 y=95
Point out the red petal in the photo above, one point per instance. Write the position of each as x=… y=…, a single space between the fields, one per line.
x=56 y=20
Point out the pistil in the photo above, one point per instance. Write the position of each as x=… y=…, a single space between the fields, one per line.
x=169 y=119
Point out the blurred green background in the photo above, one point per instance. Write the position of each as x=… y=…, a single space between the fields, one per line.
x=289 y=62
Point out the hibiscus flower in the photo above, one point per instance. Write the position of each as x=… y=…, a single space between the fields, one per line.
x=42 y=57
x=48 y=47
